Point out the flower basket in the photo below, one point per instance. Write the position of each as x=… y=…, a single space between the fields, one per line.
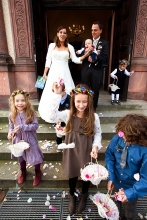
x=94 y=173
x=106 y=207
x=113 y=86
x=18 y=148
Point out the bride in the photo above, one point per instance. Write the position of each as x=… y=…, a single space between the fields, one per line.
x=57 y=59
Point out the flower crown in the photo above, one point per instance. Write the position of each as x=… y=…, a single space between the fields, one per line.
x=23 y=92
x=83 y=91
x=122 y=62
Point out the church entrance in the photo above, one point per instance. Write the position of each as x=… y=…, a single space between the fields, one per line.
x=47 y=17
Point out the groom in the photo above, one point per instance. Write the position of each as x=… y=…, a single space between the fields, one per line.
x=91 y=72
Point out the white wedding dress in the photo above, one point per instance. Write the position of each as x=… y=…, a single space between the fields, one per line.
x=57 y=61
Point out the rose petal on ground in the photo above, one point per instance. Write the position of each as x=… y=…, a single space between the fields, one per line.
x=29 y=200
x=5 y=199
x=52 y=208
x=15 y=172
x=47 y=203
x=55 y=177
x=44 y=216
x=48 y=197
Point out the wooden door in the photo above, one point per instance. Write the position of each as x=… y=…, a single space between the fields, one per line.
x=125 y=18
x=40 y=38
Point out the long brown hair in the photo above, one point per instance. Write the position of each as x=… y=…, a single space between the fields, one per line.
x=134 y=127
x=56 y=39
x=88 y=127
x=29 y=111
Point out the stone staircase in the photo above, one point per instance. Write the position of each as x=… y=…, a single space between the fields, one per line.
x=53 y=176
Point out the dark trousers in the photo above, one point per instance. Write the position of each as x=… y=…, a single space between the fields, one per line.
x=129 y=208
x=92 y=77
x=72 y=185
x=58 y=140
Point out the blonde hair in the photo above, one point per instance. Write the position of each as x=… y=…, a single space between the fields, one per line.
x=29 y=111
x=88 y=128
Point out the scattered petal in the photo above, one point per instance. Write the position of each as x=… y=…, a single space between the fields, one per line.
x=48 y=197
x=76 y=194
x=52 y=208
x=45 y=166
x=14 y=172
x=89 y=210
x=54 y=197
x=14 y=163
x=29 y=200
x=140 y=216
x=44 y=216
x=55 y=177
x=47 y=203
x=5 y=199
x=137 y=176
x=44 y=174
x=68 y=217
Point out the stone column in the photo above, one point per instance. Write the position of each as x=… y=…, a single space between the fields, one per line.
x=3 y=41
x=138 y=81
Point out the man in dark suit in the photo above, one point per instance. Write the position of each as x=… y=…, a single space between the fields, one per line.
x=91 y=72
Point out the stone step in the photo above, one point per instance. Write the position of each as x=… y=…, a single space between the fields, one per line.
x=53 y=176
x=109 y=115
x=47 y=131
x=50 y=154
x=105 y=104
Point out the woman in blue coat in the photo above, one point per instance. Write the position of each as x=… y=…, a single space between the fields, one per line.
x=126 y=161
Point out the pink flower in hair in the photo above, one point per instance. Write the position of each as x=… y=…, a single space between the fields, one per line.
x=120 y=133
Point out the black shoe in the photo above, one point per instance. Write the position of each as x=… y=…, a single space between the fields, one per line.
x=112 y=102
x=118 y=102
x=82 y=203
x=72 y=204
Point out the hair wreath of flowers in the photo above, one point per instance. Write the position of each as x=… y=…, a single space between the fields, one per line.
x=124 y=62
x=82 y=90
x=23 y=92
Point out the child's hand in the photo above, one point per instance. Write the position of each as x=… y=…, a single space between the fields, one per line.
x=110 y=185
x=123 y=195
x=90 y=59
x=98 y=51
x=94 y=152
x=124 y=199
x=16 y=129
x=10 y=135
x=131 y=72
x=115 y=77
x=57 y=88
